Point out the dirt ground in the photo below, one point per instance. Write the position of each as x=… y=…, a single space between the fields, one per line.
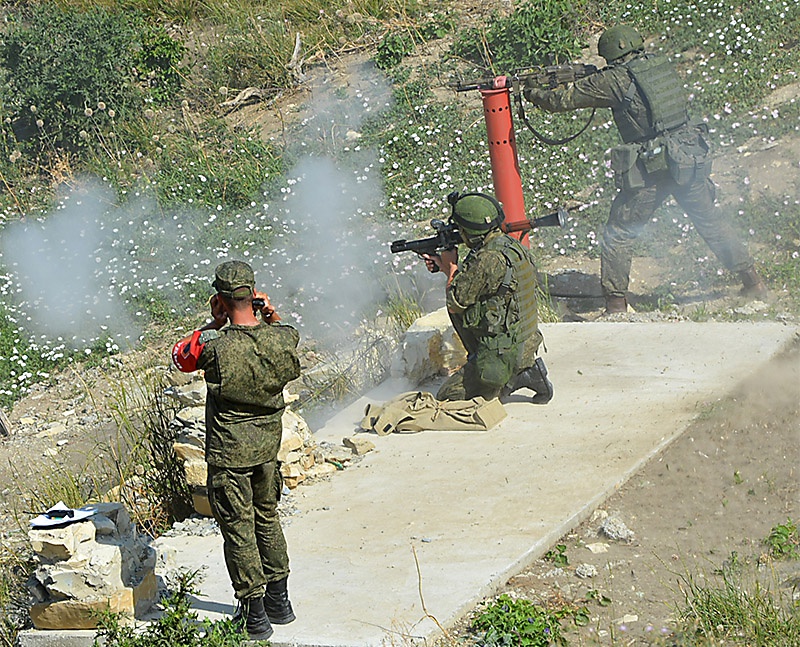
x=710 y=497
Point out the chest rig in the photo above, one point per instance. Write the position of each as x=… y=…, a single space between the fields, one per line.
x=655 y=80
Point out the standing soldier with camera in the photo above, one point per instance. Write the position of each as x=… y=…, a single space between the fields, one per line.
x=247 y=363
x=663 y=154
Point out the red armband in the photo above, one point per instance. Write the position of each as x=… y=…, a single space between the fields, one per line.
x=186 y=353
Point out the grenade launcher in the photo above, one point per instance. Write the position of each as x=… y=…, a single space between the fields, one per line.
x=447 y=234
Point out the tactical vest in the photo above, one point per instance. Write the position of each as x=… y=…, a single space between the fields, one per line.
x=657 y=82
x=513 y=308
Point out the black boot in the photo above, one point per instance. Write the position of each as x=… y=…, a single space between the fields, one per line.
x=251 y=616
x=535 y=379
x=753 y=285
x=276 y=602
x=615 y=305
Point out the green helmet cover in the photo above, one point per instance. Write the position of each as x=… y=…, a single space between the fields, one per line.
x=617 y=41
x=477 y=213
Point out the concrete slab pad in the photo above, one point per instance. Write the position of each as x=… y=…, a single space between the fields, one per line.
x=410 y=538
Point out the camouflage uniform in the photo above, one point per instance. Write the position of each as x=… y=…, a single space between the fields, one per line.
x=246 y=368
x=492 y=304
x=669 y=158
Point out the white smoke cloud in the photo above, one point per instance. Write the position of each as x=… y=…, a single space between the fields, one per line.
x=78 y=271
x=60 y=269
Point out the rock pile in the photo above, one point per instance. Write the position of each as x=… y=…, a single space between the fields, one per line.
x=85 y=567
x=300 y=456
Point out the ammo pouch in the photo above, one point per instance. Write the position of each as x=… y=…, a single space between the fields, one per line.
x=627 y=174
x=653 y=155
x=496 y=360
x=688 y=154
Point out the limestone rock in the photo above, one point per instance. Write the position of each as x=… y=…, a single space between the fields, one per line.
x=615 y=528
x=192 y=417
x=290 y=443
x=430 y=347
x=82 y=614
x=191 y=394
x=56 y=544
x=293 y=424
x=196 y=472
x=200 y=502
x=292 y=475
x=322 y=469
x=358 y=444
x=78 y=575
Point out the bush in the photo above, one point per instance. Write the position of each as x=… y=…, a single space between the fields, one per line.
x=62 y=66
x=392 y=49
x=537 y=32
x=159 y=63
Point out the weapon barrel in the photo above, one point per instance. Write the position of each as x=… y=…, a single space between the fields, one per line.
x=556 y=219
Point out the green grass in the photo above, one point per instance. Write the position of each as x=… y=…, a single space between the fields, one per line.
x=740 y=606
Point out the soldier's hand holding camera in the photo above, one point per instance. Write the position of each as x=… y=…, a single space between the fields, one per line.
x=261 y=304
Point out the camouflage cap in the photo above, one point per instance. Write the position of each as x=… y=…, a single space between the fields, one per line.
x=234 y=279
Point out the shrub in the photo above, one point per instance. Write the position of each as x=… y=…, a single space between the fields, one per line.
x=537 y=32
x=62 y=65
x=391 y=50
x=159 y=63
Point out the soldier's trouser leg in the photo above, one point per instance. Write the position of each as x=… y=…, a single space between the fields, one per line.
x=244 y=503
x=630 y=212
x=465 y=384
x=697 y=200
x=267 y=486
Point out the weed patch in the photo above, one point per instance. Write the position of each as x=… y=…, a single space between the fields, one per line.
x=520 y=622
x=738 y=606
x=784 y=541
x=178 y=624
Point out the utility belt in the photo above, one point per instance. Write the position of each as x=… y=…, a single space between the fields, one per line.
x=683 y=152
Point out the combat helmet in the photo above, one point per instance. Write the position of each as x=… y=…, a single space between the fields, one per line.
x=476 y=214
x=617 y=41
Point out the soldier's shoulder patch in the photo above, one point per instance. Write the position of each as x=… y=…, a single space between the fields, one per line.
x=207 y=335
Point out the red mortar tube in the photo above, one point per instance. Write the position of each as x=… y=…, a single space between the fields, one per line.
x=503 y=152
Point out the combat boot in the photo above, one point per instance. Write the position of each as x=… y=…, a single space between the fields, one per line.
x=276 y=602
x=250 y=615
x=535 y=379
x=616 y=305
x=752 y=284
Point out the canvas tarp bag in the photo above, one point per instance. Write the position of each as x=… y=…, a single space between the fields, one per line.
x=415 y=411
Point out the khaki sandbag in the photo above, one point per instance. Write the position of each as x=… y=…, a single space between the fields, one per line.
x=415 y=411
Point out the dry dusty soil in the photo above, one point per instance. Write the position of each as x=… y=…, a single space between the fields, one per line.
x=706 y=501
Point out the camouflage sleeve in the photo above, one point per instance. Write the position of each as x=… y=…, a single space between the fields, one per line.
x=479 y=276
x=206 y=351
x=605 y=89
